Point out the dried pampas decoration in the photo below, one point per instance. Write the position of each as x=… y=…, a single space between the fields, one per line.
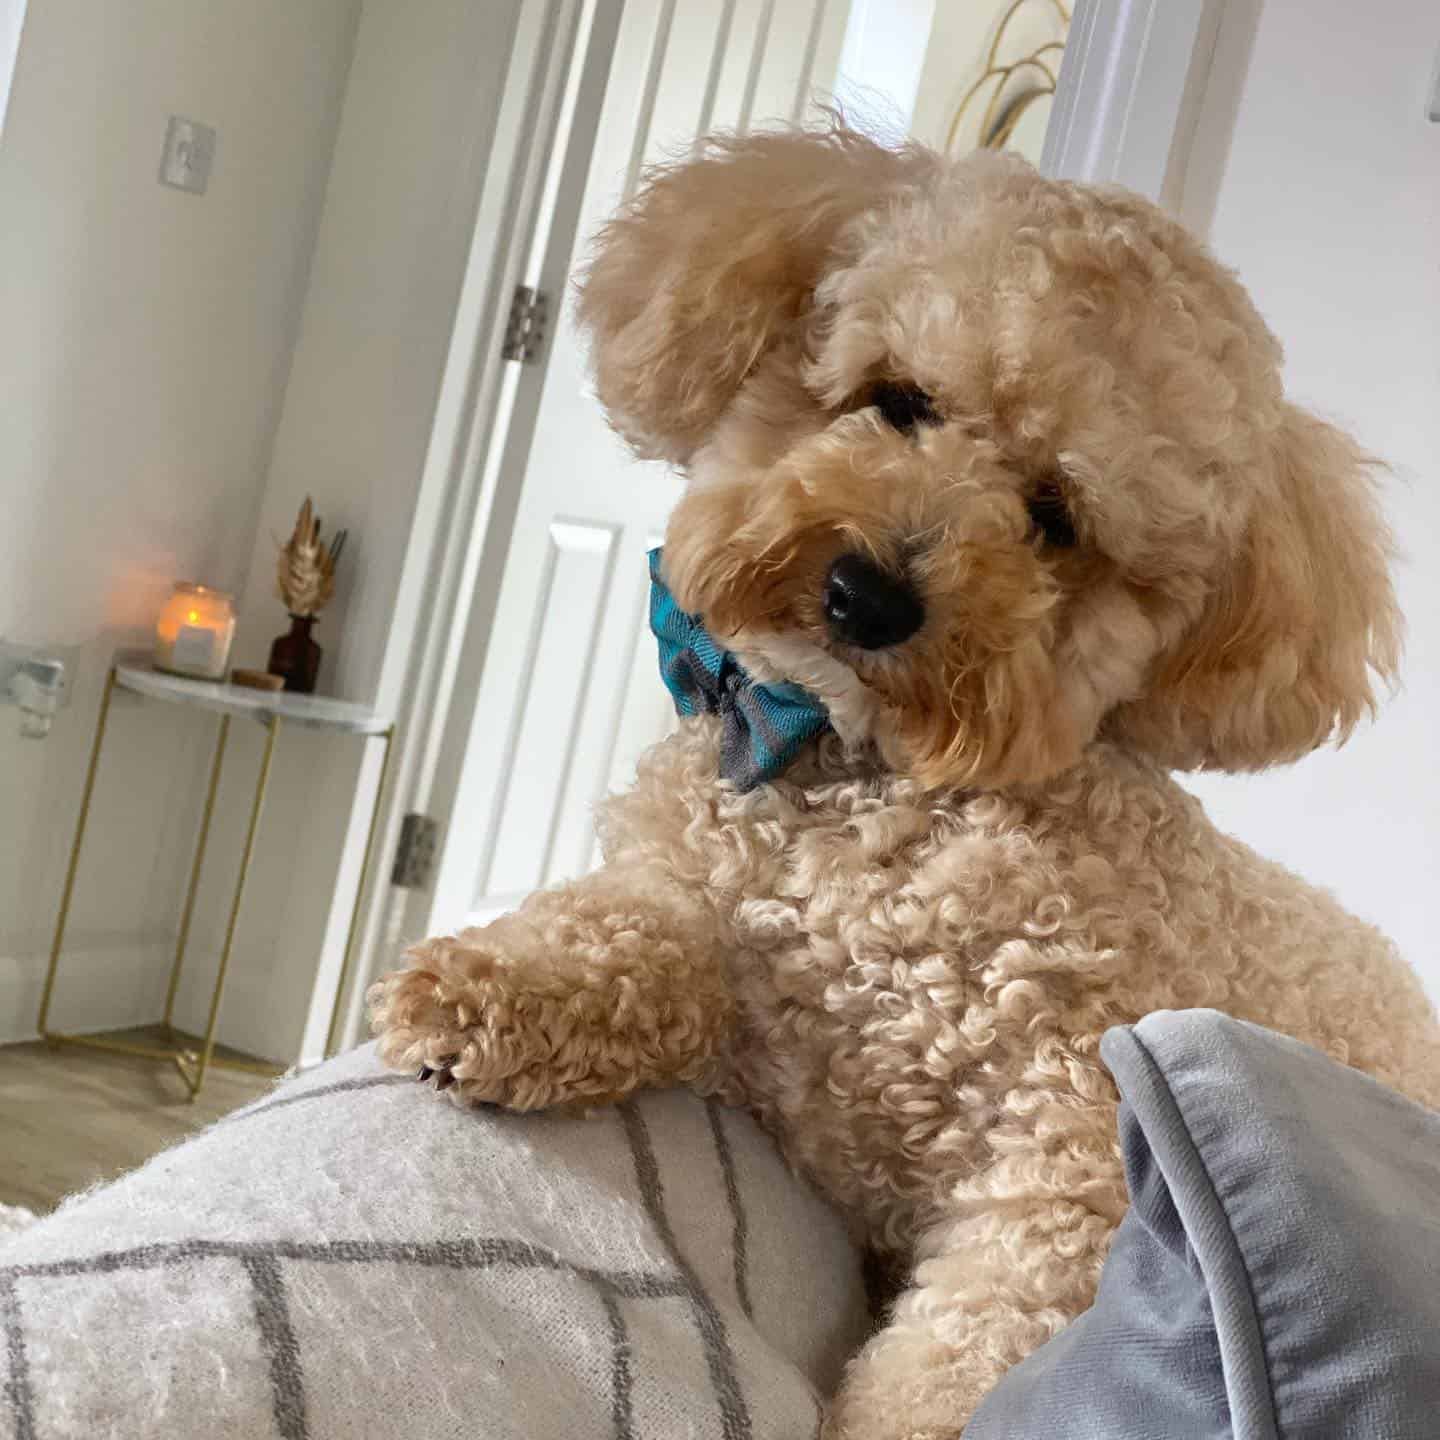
x=305 y=569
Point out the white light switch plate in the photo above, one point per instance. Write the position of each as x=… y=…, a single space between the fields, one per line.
x=189 y=152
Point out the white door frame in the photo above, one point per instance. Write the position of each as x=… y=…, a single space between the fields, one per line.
x=481 y=401
x=1128 y=89
x=12 y=22
x=555 y=696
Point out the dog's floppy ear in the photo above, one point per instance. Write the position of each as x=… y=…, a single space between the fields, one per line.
x=711 y=263
x=1301 y=623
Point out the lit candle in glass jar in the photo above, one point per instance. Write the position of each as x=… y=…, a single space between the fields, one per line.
x=194 y=631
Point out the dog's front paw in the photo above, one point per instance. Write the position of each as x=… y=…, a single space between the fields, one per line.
x=463 y=1029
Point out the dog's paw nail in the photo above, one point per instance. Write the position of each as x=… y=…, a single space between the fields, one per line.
x=445 y=1079
x=425 y=1073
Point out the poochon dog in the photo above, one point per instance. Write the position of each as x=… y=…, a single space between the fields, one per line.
x=995 y=475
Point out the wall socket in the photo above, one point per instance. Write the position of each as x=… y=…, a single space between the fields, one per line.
x=188 y=154
x=12 y=656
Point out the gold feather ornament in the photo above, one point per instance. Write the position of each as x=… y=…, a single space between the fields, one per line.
x=305 y=569
x=305 y=581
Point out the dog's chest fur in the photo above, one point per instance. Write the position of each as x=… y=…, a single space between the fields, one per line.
x=922 y=978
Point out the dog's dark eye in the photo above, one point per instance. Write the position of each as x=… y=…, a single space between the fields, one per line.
x=1051 y=516
x=903 y=406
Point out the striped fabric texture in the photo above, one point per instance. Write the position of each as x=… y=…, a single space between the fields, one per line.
x=763 y=727
x=355 y=1257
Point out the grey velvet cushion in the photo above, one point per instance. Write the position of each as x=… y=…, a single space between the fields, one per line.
x=1278 y=1274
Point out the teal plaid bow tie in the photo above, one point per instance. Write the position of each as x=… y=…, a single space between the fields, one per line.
x=762 y=726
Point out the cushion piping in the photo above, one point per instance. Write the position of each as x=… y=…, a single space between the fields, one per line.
x=1232 y=1296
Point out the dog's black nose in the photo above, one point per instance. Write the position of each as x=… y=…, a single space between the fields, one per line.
x=867 y=607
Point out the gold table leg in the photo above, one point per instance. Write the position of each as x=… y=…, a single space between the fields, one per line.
x=333 y=1035
x=192 y=1065
x=194 y=1080
x=65 y=894
x=165 y=1052
x=200 y=843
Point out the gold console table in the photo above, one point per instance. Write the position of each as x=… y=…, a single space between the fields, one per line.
x=134 y=672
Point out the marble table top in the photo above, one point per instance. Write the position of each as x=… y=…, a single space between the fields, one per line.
x=135 y=671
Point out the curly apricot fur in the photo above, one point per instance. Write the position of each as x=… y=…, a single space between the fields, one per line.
x=902 y=954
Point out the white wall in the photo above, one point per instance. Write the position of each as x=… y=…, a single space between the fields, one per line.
x=410 y=159
x=147 y=337
x=1319 y=178
x=881 y=61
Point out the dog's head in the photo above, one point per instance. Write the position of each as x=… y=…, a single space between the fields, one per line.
x=993 y=464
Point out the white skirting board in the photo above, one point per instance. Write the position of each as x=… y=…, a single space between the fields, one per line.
x=102 y=986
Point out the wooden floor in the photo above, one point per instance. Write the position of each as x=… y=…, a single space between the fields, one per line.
x=70 y=1117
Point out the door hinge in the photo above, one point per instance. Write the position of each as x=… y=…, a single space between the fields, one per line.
x=415 y=854
x=525 y=329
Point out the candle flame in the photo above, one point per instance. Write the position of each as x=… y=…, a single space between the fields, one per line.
x=194 y=616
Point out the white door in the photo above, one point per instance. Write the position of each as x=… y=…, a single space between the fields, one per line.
x=557 y=690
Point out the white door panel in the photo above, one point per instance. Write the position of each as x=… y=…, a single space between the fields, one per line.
x=568 y=694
